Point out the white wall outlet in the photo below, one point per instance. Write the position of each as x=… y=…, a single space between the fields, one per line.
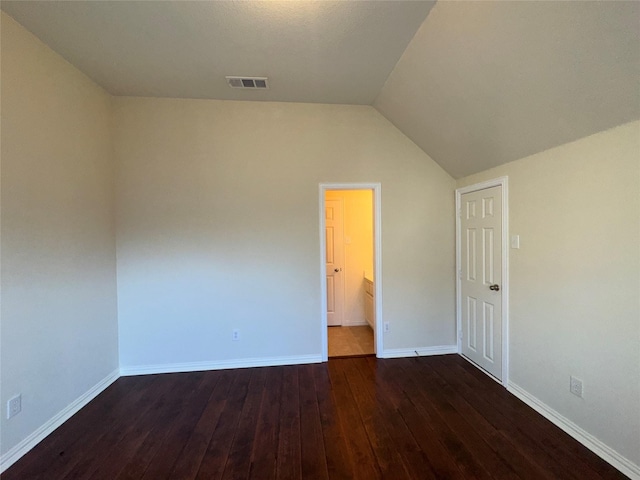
x=386 y=327
x=14 y=406
x=575 y=386
x=235 y=335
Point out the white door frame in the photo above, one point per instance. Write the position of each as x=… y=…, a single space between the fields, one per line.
x=377 y=260
x=497 y=182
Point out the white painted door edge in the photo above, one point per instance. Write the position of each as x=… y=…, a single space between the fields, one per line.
x=504 y=182
x=377 y=260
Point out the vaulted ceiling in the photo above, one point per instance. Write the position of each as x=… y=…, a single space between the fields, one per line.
x=474 y=84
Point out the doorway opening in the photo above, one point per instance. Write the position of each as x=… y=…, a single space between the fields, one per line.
x=350 y=266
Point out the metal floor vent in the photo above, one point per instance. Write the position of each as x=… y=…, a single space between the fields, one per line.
x=247 y=82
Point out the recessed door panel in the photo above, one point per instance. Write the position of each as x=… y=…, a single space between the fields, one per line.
x=488 y=331
x=487 y=256
x=472 y=324
x=331 y=297
x=471 y=209
x=330 y=245
x=471 y=254
x=487 y=207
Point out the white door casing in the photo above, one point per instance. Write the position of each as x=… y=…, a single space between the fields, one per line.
x=334 y=256
x=482 y=277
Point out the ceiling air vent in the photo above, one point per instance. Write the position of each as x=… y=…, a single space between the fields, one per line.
x=248 y=82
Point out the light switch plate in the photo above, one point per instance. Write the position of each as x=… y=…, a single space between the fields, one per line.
x=515 y=241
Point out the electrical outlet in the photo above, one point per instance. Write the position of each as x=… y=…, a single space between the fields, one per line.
x=14 y=406
x=575 y=386
x=386 y=327
x=235 y=335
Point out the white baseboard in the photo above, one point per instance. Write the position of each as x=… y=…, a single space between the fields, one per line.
x=605 y=452
x=362 y=323
x=14 y=454
x=218 y=365
x=418 y=352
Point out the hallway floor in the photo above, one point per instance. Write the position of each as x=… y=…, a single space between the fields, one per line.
x=350 y=341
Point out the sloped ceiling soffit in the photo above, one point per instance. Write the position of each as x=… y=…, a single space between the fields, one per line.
x=475 y=84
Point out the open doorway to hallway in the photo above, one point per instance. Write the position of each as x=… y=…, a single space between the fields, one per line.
x=349 y=255
x=347 y=341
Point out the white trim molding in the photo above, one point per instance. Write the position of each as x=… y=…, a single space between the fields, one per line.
x=218 y=365
x=14 y=454
x=377 y=261
x=361 y=323
x=419 y=352
x=497 y=182
x=605 y=452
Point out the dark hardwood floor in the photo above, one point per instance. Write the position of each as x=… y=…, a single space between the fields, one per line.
x=358 y=418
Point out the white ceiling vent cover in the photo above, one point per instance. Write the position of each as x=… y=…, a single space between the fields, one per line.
x=254 y=83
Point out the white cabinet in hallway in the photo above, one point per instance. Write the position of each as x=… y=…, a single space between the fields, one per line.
x=369 y=304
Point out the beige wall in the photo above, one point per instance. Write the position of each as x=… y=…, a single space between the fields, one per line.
x=59 y=326
x=575 y=281
x=358 y=249
x=218 y=227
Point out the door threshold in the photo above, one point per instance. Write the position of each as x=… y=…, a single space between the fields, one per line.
x=357 y=355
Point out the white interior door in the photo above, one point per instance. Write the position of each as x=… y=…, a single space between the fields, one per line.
x=481 y=282
x=334 y=228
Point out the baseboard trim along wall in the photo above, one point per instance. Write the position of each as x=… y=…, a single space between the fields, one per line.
x=363 y=323
x=419 y=352
x=608 y=454
x=13 y=455
x=218 y=365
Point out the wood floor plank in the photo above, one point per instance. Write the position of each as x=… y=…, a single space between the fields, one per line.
x=428 y=394
x=158 y=425
x=57 y=450
x=107 y=431
x=187 y=466
x=571 y=448
x=239 y=459
x=536 y=437
x=358 y=418
x=389 y=460
x=264 y=455
x=127 y=434
x=289 y=455
x=134 y=430
x=443 y=456
x=454 y=444
x=500 y=414
x=405 y=443
x=187 y=411
x=523 y=468
x=312 y=452
x=363 y=461
x=338 y=464
x=215 y=458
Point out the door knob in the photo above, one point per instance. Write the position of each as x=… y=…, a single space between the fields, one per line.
x=494 y=287
x=336 y=270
